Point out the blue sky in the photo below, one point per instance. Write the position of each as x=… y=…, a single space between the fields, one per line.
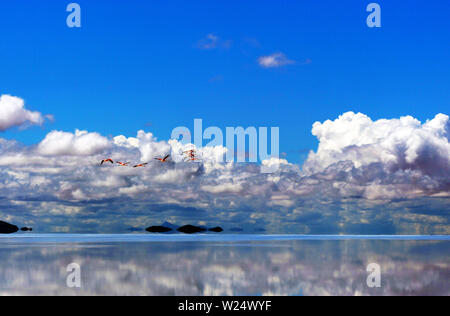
x=137 y=65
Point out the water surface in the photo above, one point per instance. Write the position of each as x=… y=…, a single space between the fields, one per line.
x=224 y=264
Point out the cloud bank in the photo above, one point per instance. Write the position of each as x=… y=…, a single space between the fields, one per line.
x=360 y=166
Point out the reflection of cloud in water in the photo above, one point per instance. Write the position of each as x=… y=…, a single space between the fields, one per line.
x=281 y=268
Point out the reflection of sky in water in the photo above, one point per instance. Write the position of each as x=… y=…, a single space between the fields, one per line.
x=290 y=267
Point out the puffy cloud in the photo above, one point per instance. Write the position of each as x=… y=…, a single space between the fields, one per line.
x=146 y=143
x=81 y=143
x=13 y=113
x=384 y=158
x=223 y=188
x=398 y=144
x=275 y=60
x=273 y=164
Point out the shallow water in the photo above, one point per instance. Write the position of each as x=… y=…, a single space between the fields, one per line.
x=224 y=264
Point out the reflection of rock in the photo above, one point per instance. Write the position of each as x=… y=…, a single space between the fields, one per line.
x=189 y=229
x=26 y=229
x=216 y=229
x=158 y=229
x=134 y=229
x=6 y=228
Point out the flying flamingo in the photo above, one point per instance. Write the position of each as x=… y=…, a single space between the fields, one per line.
x=190 y=152
x=123 y=164
x=191 y=155
x=106 y=160
x=163 y=159
x=140 y=165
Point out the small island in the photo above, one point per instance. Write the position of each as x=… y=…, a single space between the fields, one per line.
x=187 y=229
x=190 y=229
x=158 y=229
x=6 y=228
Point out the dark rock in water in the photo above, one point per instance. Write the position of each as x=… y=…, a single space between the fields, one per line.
x=159 y=229
x=26 y=229
x=216 y=229
x=189 y=229
x=6 y=228
x=236 y=229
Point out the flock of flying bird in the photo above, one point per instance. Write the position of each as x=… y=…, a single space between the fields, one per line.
x=190 y=155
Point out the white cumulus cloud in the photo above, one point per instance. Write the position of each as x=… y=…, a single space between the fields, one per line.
x=396 y=144
x=14 y=114
x=82 y=143
x=383 y=159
